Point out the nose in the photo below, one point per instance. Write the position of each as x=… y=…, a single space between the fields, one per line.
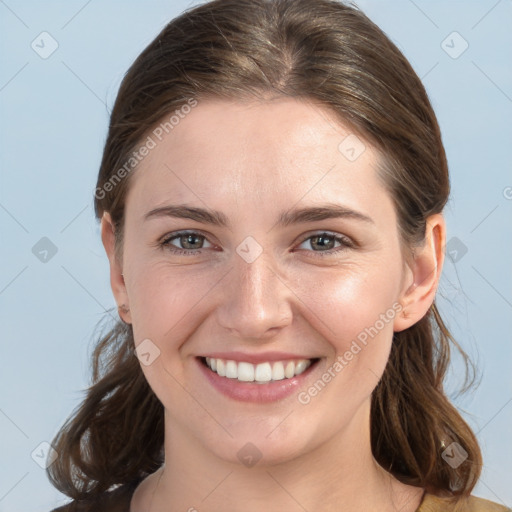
x=256 y=302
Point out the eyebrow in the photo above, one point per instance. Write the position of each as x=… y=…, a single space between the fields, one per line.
x=296 y=216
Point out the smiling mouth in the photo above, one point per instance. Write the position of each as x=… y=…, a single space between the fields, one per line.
x=261 y=373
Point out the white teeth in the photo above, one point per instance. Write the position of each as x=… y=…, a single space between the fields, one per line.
x=245 y=372
x=289 y=371
x=231 y=370
x=263 y=372
x=301 y=366
x=221 y=370
x=260 y=373
x=278 y=371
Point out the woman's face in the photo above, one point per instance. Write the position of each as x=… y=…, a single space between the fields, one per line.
x=257 y=280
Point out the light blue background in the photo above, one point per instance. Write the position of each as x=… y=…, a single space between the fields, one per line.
x=54 y=116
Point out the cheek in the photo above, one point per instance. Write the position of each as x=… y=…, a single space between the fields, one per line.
x=349 y=310
x=164 y=302
x=340 y=303
x=167 y=307
x=344 y=304
x=354 y=313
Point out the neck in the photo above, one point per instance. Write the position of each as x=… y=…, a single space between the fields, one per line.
x=340 y=471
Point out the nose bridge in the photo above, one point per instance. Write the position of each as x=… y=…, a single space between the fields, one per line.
x=255 y=300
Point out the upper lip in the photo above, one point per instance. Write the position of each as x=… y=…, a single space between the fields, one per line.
x=256 y=358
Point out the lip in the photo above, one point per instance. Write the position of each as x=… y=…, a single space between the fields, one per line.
x=252 y=391
x=262 y=357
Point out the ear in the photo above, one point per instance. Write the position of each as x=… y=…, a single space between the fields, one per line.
x=424 y=272
x=116 y=269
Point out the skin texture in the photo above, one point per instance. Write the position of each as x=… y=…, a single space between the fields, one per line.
x=252 y=161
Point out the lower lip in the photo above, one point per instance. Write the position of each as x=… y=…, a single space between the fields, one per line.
x=252 y=391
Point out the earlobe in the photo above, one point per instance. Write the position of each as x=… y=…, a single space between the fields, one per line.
x=117 y=281
x=426 y=270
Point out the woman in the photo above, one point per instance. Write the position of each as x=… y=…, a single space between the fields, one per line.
x=271 y=197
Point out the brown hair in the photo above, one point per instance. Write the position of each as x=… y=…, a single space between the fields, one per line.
x=331 y=53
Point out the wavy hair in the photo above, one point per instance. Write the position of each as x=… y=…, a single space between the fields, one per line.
x=320 y=50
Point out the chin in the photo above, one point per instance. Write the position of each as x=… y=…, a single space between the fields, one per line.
x=262 y=444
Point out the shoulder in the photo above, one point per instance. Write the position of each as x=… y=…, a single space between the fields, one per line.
x=117 y=500
x=433 y=503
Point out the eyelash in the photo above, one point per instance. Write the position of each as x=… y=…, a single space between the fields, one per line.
x=344 y=240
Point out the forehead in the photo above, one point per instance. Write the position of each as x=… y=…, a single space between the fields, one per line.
x=252 y=155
